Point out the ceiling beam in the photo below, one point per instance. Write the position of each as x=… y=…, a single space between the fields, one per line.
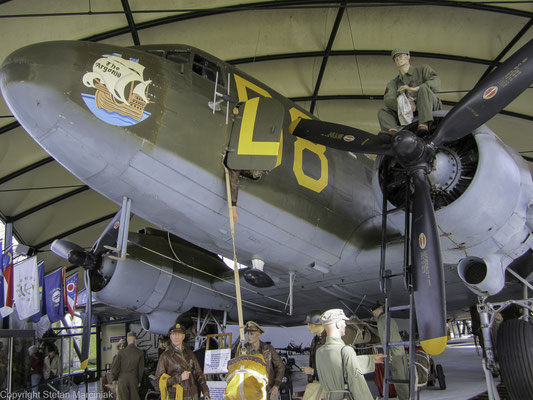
x=507 y=48
x=9 y=127
x=26 y=169
x=72 y=231
x=48 y=203
x=131 y=22
x=295 y=4
x=332 y=36
x=340 y=53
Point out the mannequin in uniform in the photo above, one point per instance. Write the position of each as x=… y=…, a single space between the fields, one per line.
x=399 y=365
x=419 y=84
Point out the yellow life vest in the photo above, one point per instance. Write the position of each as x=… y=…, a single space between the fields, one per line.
x=163 y=388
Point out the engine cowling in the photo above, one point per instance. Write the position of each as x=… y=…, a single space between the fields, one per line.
x=482 y=190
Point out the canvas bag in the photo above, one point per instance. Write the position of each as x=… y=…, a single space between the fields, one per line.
x=247 y=378
x=405 y=109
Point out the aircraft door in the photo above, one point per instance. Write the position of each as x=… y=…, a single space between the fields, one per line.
x=256 y=134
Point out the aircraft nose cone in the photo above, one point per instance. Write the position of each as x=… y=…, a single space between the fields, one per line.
x=42 y=86
x=34 y=81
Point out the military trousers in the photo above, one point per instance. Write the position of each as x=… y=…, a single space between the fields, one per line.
x=400 y=370
x=426 y=103
x=128 y=389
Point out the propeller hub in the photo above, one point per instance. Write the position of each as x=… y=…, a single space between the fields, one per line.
x=408 y=147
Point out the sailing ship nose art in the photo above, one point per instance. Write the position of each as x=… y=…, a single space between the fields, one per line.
x=121 y=91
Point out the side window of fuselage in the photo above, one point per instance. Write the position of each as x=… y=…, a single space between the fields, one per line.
x=207 y=69
x=179 y=57
x=159 y=53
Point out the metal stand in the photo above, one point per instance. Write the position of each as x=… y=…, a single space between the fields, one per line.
x=385 y=286
x=201 y=324
x=123 y=228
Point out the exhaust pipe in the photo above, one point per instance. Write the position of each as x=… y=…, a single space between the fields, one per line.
x=158 y=321
x=484 y=276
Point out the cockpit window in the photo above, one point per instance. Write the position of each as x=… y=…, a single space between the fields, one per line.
x=180 y=57
x=160 y=53
x=207 y=69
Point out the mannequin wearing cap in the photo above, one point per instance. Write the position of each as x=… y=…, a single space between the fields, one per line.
x=128 y=368
x=338 y=367
x=179 y=366
x=315 y=327
x=51 y=366
x=399 y=364
x=274 y=364
x=419 y=84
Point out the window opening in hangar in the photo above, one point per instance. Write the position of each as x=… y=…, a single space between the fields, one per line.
x=207 y=69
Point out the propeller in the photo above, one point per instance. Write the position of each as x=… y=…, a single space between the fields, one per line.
x=416 y=155
x=89 y=261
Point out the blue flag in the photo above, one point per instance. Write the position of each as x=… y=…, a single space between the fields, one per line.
x=42 y=311
x=54 y=295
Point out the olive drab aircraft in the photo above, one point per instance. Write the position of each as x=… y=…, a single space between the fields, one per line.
x=158 y=125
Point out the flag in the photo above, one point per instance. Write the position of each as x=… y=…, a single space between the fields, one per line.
x=26 y=288
x=42 y=311
x=7 y=270
x=53 y=295
x=71 y=288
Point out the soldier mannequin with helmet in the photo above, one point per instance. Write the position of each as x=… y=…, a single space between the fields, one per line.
x=274 y=364
x=419 y=85
x=315 y=327
x=314 y=324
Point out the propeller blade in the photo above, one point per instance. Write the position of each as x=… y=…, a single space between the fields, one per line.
x=87 y=323
x=338 y=136
x=488 y=97
x=63 y=248
x=428 y=274
x=73 y=253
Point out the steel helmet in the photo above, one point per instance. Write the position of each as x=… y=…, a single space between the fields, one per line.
x=314 y=317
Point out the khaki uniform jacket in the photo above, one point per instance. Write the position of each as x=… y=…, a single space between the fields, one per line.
x=128 y=364
x=174 y=362
x=274 y=364
x=317 y=341
x=416 y=76
x=330 y=363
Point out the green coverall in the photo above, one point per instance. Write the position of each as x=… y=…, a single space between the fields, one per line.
x=425 y=98
x=399 y=366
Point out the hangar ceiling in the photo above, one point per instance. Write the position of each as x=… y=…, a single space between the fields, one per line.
x=332 y=57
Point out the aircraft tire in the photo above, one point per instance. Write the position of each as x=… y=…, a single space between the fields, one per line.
x=440 y=377
x=514 y=349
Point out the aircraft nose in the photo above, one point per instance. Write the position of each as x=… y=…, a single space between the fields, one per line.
x=42 y=85
x=34 y=81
